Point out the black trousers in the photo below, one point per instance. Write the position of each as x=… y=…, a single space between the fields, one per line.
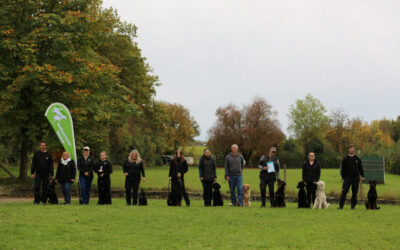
x=41 y=181
x=132 y=189
x=353 y=182
x=103 y=186
x=263 y=187
x=311 y=192
x=207 y=192
x=185 y=194
x=180 y=184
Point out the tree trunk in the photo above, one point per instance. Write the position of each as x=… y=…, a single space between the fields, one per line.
x=23 y=167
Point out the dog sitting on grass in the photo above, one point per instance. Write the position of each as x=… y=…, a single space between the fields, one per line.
x=246 y=195
x=301 y=196
x=142 y=198
x=320 y=200
x=280 y=194
x=372 y=196
x=216 y=196
x=51 y=192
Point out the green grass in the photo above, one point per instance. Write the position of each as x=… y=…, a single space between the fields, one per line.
x=160 y=227
x=157 y=179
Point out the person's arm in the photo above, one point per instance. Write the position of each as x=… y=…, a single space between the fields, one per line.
x=96 y=167
x=110 y=170
x=277 y=168
x=171 y=166
x=342 y=168
x=125 y=167
x=318 y=171
x=201 y=167
x=33 y=167
x=73 y=170
x=90 y=165
x=242 y=161
x=58 y=171
x=226 y=166
x=360 y=168
x=303 y=172
x=51 y=167
x=79 y=165
x=141 y=167
x=261 y=163
x=184 y=167
x=215 y=168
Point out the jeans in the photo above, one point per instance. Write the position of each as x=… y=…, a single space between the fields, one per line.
x=86 y=184
x=353 y=182
x=66 y=190
x=236 y=182
x=41 y=180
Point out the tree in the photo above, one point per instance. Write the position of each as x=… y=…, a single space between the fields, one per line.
x=254 y=128
x=337 y=134
x=181 y=127
x=49 y=54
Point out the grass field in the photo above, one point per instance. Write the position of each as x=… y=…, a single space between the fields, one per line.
x=160 y=227
x=157 y=179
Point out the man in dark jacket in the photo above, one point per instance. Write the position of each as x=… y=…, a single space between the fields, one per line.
x=85 y=167
x=311 y=174
x=42 y=170
x=350 y=171
x=269 y=165
x=234 y=164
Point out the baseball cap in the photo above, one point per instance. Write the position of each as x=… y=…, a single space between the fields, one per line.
x=86 y=148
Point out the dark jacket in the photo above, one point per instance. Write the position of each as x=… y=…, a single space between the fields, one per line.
x=264 y=173
x=311 y=172
x=85 y=166
x=133 y=169
x=42 y=163
x=177 y=167
x=66 y=172
x=234 y=165
x=105 y=166
x=207 y=168
x=351 y=167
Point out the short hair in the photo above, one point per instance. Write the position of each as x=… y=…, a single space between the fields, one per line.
x=103 y=152
x=351 y=146
x=234 y=145
x=43 y=142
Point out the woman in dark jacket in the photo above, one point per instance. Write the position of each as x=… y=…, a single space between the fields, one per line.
x=103 y=169
x=177 y=169
x=208 y=175
x=311 y=174
x=66 y=176
x=133 y=168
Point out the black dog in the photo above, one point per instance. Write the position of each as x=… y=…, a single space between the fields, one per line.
x=372 y=196
x=217 y=198
x=302 y=196
x=280 y=194
x=142 y=198
x=51 y=192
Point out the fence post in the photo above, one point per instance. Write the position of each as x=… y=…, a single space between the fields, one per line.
x=284 y=172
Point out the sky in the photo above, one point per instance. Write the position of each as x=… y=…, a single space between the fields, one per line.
x=211 y=53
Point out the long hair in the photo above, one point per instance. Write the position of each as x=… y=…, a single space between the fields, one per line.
x=205 y=161
x=182 y=158
x=138 y=159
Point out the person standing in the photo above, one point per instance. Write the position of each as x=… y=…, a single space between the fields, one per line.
x=42 y=170
x=133 y=168
x=85 y=167
x=177 y=169
x=234 y=164
x=350 y=171
x=65 y=175
x=208 y=175
x=310 y=174
x=103 y=169
x=269 y=165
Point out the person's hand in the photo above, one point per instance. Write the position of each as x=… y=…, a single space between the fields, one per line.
x=342 y=180
x=33 y=176
x=55 y=181
x=72 y=180
x=144 y=179
x=314 y=182
x=86 y=173
x=201 y=178
x=101 y=170
x=305 y=183
x=265 y=168
x=126 y=174
x=362 y=178
x=215 y=179
x=227 y=178
x=170 y=178
x=179 y=175
x=101 y=175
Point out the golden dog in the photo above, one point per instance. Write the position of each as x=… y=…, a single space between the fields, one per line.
x=246 y=195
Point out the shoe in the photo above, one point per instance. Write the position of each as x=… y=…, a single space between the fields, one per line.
x=352 y=208
x=340 y=208
x=262 y=206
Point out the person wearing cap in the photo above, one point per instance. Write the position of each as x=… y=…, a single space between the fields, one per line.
x=269 y=165
x=350 y=171
x=85 y=167
x=234 y=164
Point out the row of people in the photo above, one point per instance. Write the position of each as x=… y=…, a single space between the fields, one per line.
x=133 y=168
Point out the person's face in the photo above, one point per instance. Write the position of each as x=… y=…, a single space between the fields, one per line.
x=103 y=156
x=86 y=153
x=352 y=150
x=178 y=154
x=234 y=149
x=65 y=155
x=271 y=153
x=134 y=155
x=207 y=153
x=311 y=156
x=43 y=146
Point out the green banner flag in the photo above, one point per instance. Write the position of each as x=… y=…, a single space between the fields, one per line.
x=61 y=121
